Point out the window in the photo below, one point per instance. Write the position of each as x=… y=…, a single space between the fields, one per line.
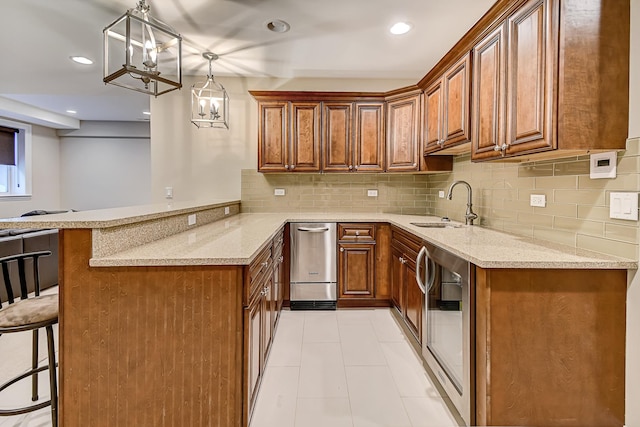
x=15 y=159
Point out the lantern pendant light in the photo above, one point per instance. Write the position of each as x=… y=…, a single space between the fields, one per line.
x=142 y=53
x=209 y=101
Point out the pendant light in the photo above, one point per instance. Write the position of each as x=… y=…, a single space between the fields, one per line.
x=142 y=53
x=209 y=101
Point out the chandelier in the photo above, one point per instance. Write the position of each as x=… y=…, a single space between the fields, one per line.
x=209 y=101
x=142 y=53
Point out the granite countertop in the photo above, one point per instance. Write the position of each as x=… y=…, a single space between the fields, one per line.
x=103 y=218
x=238 y=239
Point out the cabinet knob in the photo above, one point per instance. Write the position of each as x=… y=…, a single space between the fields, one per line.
x=415 y=164
x=441 y=142
x=401 y=260
x=350 y=167
x=356 y=168
x=341 y=249
x=293 y=167
x=264 y=264
x=357 y=233
x=286 y=166
x=281 y=258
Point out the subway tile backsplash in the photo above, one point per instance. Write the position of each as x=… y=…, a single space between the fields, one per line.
x=576 y=213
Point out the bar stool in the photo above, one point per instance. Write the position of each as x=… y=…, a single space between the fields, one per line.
x=30 y=314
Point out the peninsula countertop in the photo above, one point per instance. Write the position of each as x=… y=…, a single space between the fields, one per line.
x=238 y=239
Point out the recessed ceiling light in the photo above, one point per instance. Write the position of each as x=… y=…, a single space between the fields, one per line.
x=400 y=28
x=81 y=60
x=278 y=26
x=147 y=113
x=72 y=111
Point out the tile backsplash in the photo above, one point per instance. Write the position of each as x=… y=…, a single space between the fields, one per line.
x=576 y=211
x=304 y=192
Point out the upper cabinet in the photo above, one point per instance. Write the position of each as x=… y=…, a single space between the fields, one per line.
x=289 y=150
x=539 y=92
x=446 y=105
x=515 y=77
x=342 y=132
x=353 y=137
x=403 y=143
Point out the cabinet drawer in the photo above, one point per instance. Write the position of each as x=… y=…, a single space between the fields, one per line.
x=399 y=237
x=258 y=270
x=356 y=232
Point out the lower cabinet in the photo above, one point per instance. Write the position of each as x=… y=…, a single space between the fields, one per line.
x=263 y=293
x=363 y=264
x=406 y=295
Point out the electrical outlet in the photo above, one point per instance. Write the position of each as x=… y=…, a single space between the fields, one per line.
x=278 y=192
x=372 y=193
x=441 y=194
x=226 y=210
x=538 y=200
x=191 y=219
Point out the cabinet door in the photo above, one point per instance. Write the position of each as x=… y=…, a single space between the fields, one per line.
x=356 y=266
x=530 y=79
x=457 y=88
x=414 y=301
x=433 y=117
x=488 y=95
x=402 y=141
x=337 y=137
x=253 y=318
x=305 y=137
x=397 y=271
x=369 y=143
x=273 y=138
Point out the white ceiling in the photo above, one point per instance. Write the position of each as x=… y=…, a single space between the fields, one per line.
x=328 y=39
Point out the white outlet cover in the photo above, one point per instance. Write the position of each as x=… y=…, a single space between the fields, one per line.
x=538 y=200
x=191 y=219
x=226 y=210
x=168 y=192
x=623 y=206
x=372 y=193
x=278 y=192
x=441 y=194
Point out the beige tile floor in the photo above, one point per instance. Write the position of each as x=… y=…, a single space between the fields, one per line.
x=351 y=368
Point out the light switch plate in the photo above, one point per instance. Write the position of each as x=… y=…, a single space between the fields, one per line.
x=623 y=206
x=278 y=192
x=168 y=192
x=372 y=193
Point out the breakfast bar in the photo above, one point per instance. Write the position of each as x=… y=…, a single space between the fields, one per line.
x=155 y=315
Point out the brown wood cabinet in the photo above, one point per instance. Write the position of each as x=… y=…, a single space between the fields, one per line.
x=543 y=84
x=363 y=264
x=406 y=295
x=550 y=347
x=353 y=137
x=281 y=149
x=447 y=105
x=403 y=134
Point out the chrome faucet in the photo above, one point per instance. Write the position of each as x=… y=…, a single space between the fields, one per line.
x=469 y=216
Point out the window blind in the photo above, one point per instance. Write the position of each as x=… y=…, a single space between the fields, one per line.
x=8 y=145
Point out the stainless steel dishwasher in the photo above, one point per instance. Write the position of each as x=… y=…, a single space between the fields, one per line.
x=313 y=266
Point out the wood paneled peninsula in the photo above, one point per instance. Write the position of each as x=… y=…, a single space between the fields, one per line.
x=162 y=323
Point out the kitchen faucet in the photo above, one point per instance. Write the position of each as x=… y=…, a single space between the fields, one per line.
x=469 y=216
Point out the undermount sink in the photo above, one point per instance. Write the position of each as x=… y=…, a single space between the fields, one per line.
x=435 y=225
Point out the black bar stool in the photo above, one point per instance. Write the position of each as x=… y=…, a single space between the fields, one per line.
x=30 y=314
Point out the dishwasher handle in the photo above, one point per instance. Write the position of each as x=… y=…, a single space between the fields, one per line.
x=313 y=230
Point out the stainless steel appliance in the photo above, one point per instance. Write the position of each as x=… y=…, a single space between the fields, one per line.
x=313 y=266
x=447 y=344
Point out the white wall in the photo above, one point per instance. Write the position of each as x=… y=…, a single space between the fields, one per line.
x=206 y=163
x=45 y=176
x=633 y=294
x=105 y=164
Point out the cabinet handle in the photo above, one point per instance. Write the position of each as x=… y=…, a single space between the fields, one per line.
x=401 y=260
x=264 y=264
x=341 y=249
x=281 y=258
